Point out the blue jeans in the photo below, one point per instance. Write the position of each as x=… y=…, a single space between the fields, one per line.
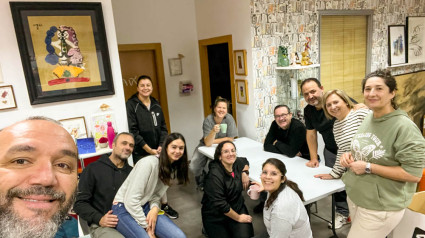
x=129 y=228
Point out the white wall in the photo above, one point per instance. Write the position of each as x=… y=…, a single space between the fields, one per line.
x=223 y=17
x=171 y=23
x=13 y=74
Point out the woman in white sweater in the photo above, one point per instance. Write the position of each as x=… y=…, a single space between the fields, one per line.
x=284 y=213
x=136 y=203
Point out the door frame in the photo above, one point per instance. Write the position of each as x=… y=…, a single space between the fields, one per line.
x=156 y=47
x=205 y=77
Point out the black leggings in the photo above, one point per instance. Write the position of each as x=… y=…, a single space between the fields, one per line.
x=225 y=227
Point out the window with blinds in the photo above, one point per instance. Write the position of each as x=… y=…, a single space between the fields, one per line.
x=343 y=52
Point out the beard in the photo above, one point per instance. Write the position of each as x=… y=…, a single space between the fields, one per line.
x=12 y=225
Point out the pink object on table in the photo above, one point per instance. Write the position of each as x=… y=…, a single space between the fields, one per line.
x=110 y=133
x=253 y=192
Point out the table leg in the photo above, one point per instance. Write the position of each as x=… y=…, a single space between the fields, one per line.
x=333 y=217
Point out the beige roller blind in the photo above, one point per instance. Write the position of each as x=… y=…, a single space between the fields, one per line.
x=343 y=42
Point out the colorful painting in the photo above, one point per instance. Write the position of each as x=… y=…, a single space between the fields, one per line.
x=7 y=97
x=416 y=39
x=411 y=95
x=396 y=45
x=63 y=50
x=99 y=125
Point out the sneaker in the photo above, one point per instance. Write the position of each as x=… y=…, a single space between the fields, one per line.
x=259 y=208
x=170 y=212
x=340 y=220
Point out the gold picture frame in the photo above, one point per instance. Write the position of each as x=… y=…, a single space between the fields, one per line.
x=7 y=97
x=242 y=91
x=240 y=62
x=76 y=127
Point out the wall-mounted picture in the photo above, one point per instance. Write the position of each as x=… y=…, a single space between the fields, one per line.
x=175 y=66
x=396 y=45
x=75 y=126
x=415 y=39
x=240 y=62
x=63 y=50
x=242 y=91
x=7 y=97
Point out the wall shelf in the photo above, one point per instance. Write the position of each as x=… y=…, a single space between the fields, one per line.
x=296 y=67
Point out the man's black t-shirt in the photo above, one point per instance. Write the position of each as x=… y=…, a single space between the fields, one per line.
x=316 y=119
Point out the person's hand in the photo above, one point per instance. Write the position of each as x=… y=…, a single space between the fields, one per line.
x=346 y=159
x=259 y=185
x=151 y=233
x=153 y=152
x=313 y=163
x=359 y=106
x=243 y=218
x=299 y=154
x=358 y=167
x=324 y=176
x=109 y=220
x=245 y=181
x=151 y=219
x=159 y=149
x=216 y=128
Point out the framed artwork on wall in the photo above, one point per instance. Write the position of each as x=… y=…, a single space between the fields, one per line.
x=240 y=62
x=242 y=91
x=75 y=126
x=415 y=39
x=7 y=97
x=396 y=45
x=63 y=50
x=175 y=65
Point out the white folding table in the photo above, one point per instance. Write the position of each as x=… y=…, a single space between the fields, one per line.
x=313 y=188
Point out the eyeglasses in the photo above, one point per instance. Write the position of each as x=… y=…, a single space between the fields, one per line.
x=281 y=115
x=233 y=151
x=271 y=174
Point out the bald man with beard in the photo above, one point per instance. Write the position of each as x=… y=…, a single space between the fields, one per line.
x=38 y=178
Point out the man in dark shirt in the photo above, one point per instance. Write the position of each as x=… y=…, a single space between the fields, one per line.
x=286 y=135
x=98 y=185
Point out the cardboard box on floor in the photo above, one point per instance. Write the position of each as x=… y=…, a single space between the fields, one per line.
x=413 y=222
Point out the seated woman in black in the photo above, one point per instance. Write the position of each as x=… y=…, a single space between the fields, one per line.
x=224 y=213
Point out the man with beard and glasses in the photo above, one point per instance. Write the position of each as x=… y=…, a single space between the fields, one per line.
x=98 y=185
x=38 y=178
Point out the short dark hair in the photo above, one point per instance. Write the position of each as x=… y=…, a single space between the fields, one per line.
x=43 y=118
x=122 y=133
x=217 y=152
x=389 y=80
x=282 y=105
x=309 y=80
x=144 y=77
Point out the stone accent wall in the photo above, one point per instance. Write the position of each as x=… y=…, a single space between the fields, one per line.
x=288 y=22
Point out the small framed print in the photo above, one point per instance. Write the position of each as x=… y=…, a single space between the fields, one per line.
x=7 y=97
x=415 y=39
x=242 y=91
x=75 y=126
x=175 y=66
x=396 y=45
x=240 y=62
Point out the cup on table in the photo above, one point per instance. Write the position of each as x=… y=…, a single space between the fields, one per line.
x=223 y=128
x=253 y=192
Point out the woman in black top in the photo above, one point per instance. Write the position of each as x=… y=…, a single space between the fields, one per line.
x=224 y=213
x=145 y=120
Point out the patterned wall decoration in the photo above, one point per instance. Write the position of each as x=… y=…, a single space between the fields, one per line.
x=288 y=22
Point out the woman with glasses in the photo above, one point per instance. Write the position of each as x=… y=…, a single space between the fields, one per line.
x=284 y=213
x=217 y=127
x=224 y=213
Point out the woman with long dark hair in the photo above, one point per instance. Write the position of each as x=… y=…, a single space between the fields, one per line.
x=137 y=202
x=385 y=162
x=224 y=213
x=284 y=213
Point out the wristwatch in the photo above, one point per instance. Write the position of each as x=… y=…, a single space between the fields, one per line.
x=245 y=171
x=367 y=169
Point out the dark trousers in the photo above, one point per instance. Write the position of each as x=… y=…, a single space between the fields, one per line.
x=340 y=197
x=221 y=226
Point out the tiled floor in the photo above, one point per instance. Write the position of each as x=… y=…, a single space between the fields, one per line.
x=187 y=201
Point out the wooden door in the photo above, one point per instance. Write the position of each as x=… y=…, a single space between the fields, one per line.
x=144 y=59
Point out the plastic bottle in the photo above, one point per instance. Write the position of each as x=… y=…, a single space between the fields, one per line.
x=110 y=133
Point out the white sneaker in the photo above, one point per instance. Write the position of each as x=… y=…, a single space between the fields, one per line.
x=340 y=220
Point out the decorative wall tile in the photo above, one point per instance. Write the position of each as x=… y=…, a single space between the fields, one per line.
x=287 y=23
